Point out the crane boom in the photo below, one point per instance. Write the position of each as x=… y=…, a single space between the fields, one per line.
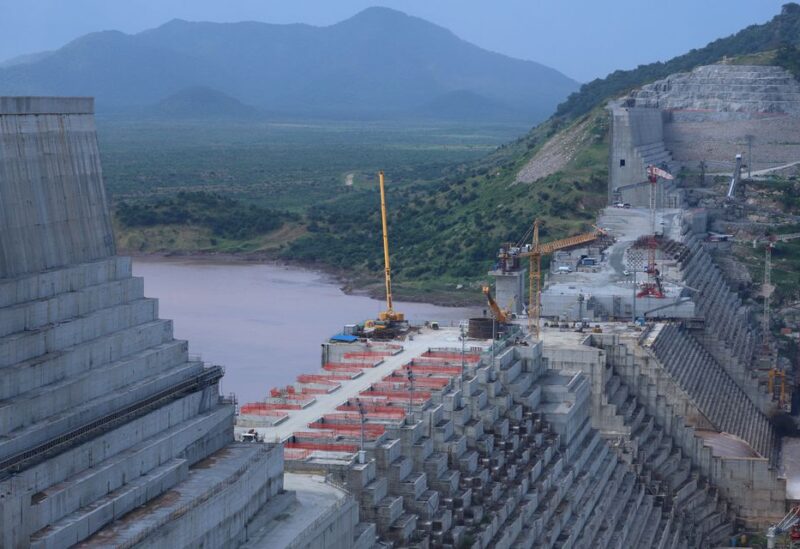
x=389 y=314
x=498 y=313
x=535 y=269
x=577 y=240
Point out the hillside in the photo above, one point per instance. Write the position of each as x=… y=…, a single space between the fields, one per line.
x=380 y=62
x=783 y=29
x=445 y=231
x=202 y=102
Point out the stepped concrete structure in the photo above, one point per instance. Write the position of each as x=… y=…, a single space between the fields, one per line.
x=707 y=115
x=110 y=434
x=502 y=454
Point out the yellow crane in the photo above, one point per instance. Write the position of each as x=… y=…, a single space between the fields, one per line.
x=389 y=315
x=499 y=314
x=535 y=272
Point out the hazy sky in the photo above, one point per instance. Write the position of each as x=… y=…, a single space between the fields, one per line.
x=582 y=38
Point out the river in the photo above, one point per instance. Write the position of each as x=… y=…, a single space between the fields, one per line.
x=264 y=323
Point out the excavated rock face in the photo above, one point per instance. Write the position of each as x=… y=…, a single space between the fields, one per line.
x=723 y=88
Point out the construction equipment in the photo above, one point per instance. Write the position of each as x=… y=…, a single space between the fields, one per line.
x=389 y=315
x=789 y=523
x=509 y=259
x=499 y=314
x=780 y=394
x=653 y=287
x=737 y=175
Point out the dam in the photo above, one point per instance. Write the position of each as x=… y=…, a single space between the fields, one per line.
x=651 y=433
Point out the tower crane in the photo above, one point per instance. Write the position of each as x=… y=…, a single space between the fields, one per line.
x=653 y=287
x=535 y=253
x=769 y=242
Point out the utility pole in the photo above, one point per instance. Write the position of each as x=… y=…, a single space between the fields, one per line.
x=410 y=377
x=703 y=173
x=493 y=336
x=463 y=362
x=362 y=414
x=749 y=138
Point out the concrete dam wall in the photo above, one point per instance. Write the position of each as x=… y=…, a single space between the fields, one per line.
x=709 y=114
x=102 y=412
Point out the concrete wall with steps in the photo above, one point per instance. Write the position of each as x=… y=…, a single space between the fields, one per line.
x=753 y=488
x=101 y=410
x=523 y=467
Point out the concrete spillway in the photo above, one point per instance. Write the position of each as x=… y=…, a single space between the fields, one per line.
x=101 y=410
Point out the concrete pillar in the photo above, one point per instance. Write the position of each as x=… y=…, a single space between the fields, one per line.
x=510 y=289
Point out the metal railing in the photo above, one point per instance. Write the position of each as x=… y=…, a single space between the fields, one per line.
x=27 y=458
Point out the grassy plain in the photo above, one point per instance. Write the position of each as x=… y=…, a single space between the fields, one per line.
x=317 y=176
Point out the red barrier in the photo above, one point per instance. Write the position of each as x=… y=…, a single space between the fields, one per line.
x=345 y=367
x=314 y=391
x=398 y=396
x=371 y=430
x=368 y=354
x=451 y=355
x=325 y=379
x=352 y=448
x=256 y=406
x=295 y=453
x=431 y=369
x=265 y=413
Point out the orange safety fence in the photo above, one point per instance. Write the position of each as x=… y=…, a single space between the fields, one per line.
x=315 y=390
x=355 y=417
x=398 y=395
x=371 y=430
x=296 y=453
x=256 y=406
x=428 y=382
x=434 y=370
x=349 y=368
x=315 y=434
x=368 y=354
x=451 y=356
x=321 y=379
x=265 y=413
x=351 y=406
x=322 y=447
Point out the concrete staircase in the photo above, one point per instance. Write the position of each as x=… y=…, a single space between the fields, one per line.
x=101 y=410
x=507 y=457
x=665 y=443
x=712 y=389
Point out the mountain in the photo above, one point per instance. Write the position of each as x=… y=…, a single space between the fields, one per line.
x=448 y=230
x=379 y=62
x=24 y=59
x=202 y=102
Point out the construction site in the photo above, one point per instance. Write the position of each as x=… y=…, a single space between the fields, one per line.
x=621 y=391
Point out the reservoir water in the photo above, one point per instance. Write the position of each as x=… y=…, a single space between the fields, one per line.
x=264 y=323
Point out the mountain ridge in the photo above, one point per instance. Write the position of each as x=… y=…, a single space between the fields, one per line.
x=380 y=61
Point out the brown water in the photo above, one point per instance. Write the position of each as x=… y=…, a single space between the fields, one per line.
x=264 y=323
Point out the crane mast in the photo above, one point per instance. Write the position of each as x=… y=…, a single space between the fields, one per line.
x=535 y=254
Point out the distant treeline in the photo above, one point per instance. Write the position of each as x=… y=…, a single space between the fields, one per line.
x=226 y=217
x=782 y=32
